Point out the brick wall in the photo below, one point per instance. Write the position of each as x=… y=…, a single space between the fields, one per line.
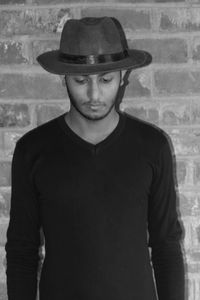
x=165 y=93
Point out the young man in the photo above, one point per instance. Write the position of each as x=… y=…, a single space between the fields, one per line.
x=98 y=182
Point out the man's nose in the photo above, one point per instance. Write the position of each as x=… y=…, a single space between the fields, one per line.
x=93 y=91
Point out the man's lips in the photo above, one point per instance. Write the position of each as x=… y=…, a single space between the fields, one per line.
x=95 y=105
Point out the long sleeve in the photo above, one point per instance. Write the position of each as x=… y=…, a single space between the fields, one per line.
x=165 y=230
x=23 y=236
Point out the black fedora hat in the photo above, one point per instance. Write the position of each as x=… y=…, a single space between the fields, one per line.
x=93 y=45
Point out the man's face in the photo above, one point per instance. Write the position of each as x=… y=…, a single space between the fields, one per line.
x=93 y=96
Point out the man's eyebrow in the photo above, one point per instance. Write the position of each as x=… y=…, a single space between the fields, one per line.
x=88 y=75
x=105 y=73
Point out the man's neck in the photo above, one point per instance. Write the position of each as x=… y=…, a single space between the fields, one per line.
x=92 y=131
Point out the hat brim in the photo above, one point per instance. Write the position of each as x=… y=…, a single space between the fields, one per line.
x=50 y=62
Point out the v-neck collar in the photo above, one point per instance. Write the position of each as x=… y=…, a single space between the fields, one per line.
x=95 y=148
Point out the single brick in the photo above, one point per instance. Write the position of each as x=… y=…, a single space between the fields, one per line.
x=134 y=20
x=197 y=172
x=31 y=86
x=144 y=111
x=181 y=171
x=152 y=1
x=64 y=1
x=2 y=144
x=195 y=266
x=4 y=202
x=5 y=174
x=189 y=202
x=2 y=265
x=32 y=21
x=180 y=19
x=195 y=112
x=191 y=240
x=168 y=1
x=13 y=1
x=192 y=286
x=196 y=257
x=194 y=292
x=83 y=1
x=188 y=237
x=12 y=52
x=49 y=112
x=14 y=115
x=3 y=230
x=10 y=139
x=169 y=82
x=185 y=204
x=139 y=84
x=175 y=113
x=196 y=232
x=186 y=141
x=172 y=50
x=196 y=49
x=3 y=291
x=41 y=46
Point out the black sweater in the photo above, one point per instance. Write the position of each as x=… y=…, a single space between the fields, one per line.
x=102 y=208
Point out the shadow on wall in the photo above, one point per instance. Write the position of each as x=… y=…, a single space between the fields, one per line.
x=120 y=98
x=179 y=213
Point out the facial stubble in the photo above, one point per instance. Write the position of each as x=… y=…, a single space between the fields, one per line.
x=88 y=117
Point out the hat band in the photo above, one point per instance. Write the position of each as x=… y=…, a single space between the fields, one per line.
x=92 y=59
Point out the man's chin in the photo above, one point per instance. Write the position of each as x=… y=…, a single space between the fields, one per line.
x=90 y=115
x=94 y=116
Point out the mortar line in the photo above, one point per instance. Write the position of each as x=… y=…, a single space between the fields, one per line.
x=33 y=101
x=97 y=5
x=136 y=35
x=23 y=68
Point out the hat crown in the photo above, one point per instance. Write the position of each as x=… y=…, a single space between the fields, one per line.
x=92 y=36
x=92 y=45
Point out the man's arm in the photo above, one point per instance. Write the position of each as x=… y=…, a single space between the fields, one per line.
x=23 y=237
x=165 y=231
